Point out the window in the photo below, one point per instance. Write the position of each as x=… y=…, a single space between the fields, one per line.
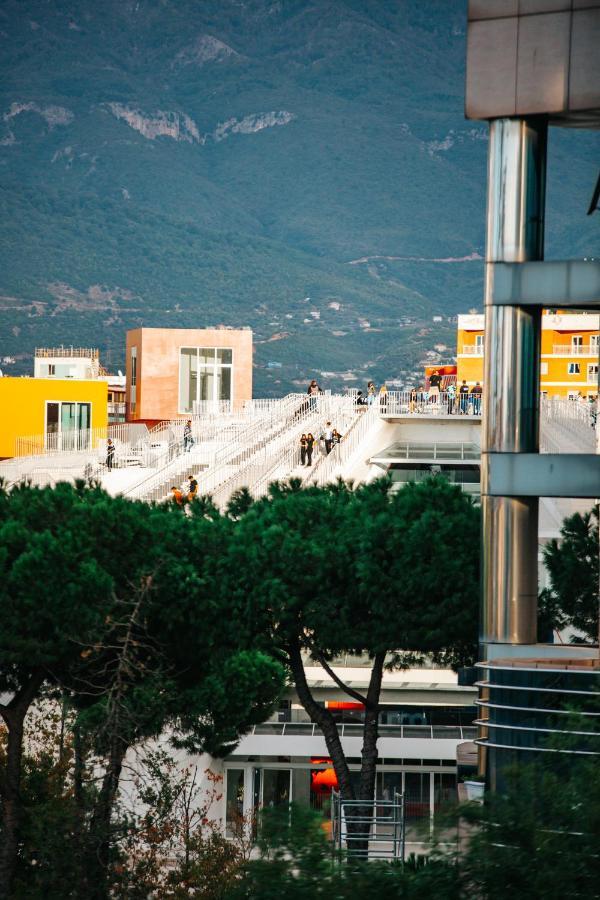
x=594 y=342
x=133 y=382
x=573 y=368
x=576 y=340
x=204 y=375
x=544 y=368
x=592 y=372
x=68 y=425
x=479 y=343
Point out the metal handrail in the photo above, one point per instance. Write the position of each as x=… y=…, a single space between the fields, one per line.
x=424 y=403
x=354 y=729
x=326 y=467
x=249 y=437
x=264 y=466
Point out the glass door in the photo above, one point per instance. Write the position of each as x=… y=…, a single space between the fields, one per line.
x=52 y=426
x=84 y=415
x=276 y=787
x=68 y=426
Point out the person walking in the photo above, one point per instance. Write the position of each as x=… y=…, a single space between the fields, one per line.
x=593 y=409
x=188 y=439
x=303 y=445
x=476 y=392
x=310 y=443
x=177 y=495
x=371 y=393
x=110 y=454
x=327 y=437
x=313 y=392
x=192 y=488
x=463 y=392
x=451 y=393
x=360 y=399
x=336 y=436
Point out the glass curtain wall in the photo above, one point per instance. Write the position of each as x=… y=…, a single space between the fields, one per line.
x=204 y=375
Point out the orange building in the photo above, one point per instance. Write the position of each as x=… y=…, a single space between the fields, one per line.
x=569 y=353
x=174 y=372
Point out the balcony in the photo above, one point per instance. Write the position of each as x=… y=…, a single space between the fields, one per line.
x=471 y=350
x=305 y=739
x=590 y=350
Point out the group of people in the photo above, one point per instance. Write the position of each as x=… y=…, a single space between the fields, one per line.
x=185 y=496
x=372 y=395
x=464 y=401
x=329 y=437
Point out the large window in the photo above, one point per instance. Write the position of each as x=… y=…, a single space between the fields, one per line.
x=68 y=425
x=204 y=375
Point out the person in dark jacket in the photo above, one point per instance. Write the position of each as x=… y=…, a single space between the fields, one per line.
x=476 y=392
x=313 y=392
x=464 y=397
x=310 y=443
x=303 y=445
x=110 y=454
x=336 y=436
x=192 y=488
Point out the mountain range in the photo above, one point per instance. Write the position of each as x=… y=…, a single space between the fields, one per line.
x=302 y=167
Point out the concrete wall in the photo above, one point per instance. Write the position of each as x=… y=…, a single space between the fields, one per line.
x=157 y=391
x=23 y=406
x=528 y=57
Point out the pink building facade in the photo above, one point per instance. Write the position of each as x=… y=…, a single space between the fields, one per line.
x=173 y=372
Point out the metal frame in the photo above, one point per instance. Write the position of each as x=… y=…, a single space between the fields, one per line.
x=342 y=813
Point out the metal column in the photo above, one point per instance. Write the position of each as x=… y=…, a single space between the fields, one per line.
x=515 y=233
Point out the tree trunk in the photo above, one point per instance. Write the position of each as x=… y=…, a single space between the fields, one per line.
x=100 y=825
x=14 y=714
x=324 y=720
x=368 y=770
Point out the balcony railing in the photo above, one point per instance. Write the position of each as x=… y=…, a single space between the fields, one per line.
x=355 y=729
x=590 y=350
x=471 y=350
x=424 y=403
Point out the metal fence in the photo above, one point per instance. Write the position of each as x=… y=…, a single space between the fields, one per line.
x=428 y=403
x=368 y=830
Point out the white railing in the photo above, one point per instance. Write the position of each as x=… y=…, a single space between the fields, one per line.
x=567 y=425
x=590 y=350
x=424 y=403
x=328 y=467
x=278 y=455
x=79 y=440
x=240 y=440
x=281 y=458
x=471 y=350
x=442 y=450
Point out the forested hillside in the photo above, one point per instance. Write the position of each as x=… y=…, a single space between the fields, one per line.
x=300 y=167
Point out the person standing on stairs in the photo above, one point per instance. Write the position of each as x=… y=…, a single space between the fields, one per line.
x=188 y=440
x=303 y=446
x=327 y=437
x=310 y=443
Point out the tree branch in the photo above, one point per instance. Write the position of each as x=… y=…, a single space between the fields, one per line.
x=342 y=685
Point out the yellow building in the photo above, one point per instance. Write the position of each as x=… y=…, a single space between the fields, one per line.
x=569 y=353
x=38 y=414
